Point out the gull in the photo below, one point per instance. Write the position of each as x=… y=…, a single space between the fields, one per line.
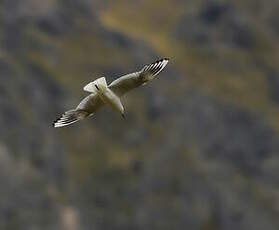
x=102 y=94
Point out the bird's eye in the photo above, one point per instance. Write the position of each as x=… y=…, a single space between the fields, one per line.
x=97 y=87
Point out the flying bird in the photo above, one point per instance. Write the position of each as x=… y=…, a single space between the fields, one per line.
x=102 y=94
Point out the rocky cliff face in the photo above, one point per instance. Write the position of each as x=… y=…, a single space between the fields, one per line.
x=198 y=148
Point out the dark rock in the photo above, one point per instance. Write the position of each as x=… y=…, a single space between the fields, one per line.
x=273 y=84
x=240 y=34
x=52 y=27
x=213 y=12
x=217 y=24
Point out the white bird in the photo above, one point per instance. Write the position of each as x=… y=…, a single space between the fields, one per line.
x=102 y=94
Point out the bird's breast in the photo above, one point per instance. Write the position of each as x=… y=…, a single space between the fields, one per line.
x=111 y=99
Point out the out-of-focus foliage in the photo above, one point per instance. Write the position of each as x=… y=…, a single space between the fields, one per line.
x=199 y=147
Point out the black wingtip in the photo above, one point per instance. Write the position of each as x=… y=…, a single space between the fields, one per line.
x=163 y=59
x=160 y=60
x=53 y=123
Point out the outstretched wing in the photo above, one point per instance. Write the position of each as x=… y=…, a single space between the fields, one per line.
x=87 y=107
x=91 y=103
x=130 y=81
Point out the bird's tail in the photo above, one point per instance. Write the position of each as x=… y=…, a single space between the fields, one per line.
x=70 y=117
x=94 y=86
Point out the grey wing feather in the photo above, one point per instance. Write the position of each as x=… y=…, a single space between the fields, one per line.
x=86 y=108
x=90 y=104
x=126 y=83
x=130 y=81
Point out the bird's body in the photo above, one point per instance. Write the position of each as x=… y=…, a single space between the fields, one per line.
x=101 y=93
x=109 y=97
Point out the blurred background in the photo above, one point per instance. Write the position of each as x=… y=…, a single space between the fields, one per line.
x=199 y=146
